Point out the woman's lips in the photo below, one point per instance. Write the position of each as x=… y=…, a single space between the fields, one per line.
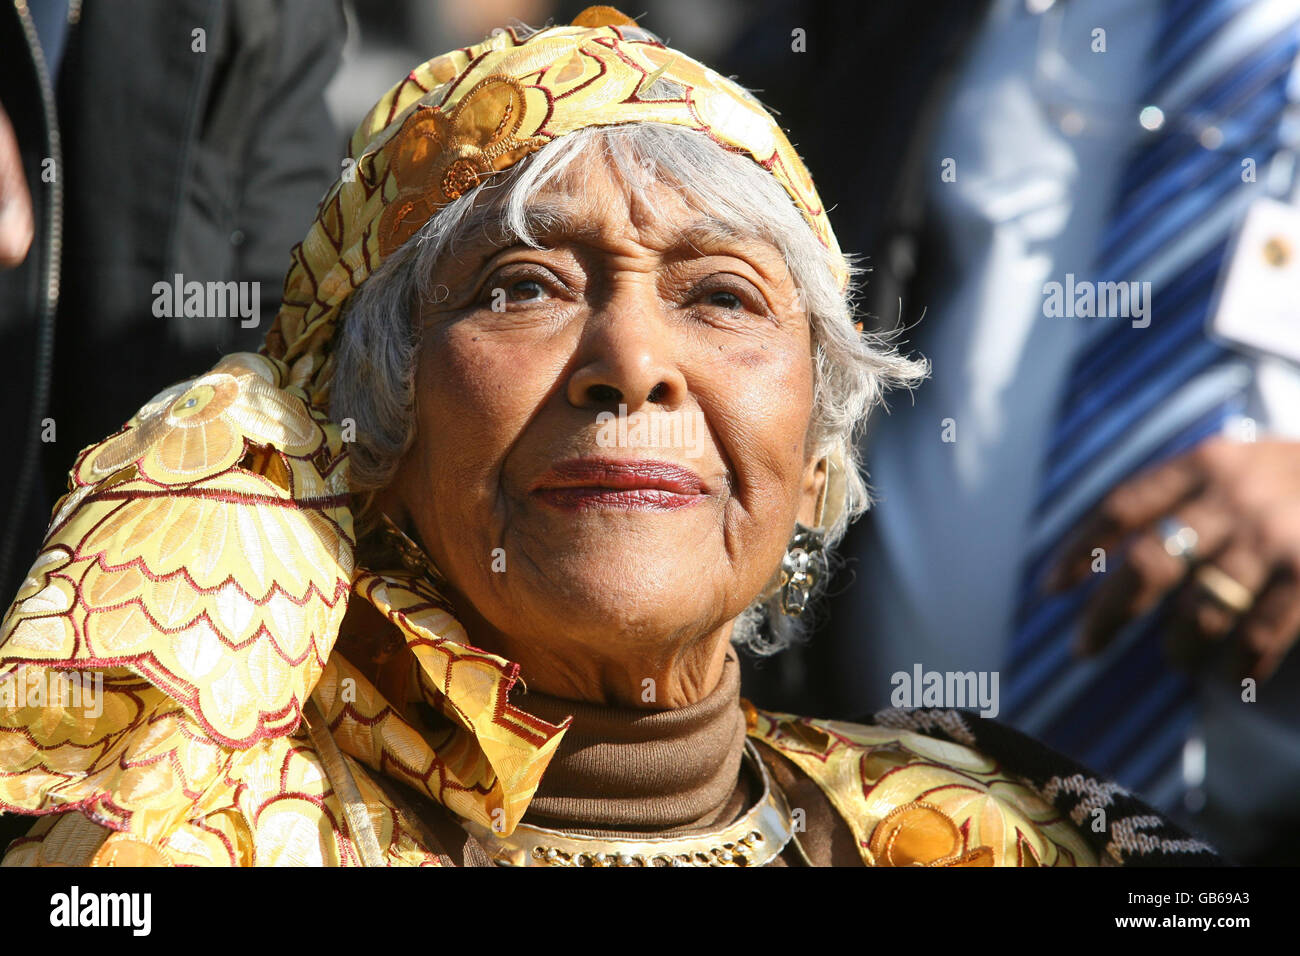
x=610 y=483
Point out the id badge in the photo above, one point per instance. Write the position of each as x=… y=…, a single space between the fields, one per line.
x=1258 y=306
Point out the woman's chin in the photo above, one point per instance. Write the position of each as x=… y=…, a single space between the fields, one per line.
x=608 y=597
x=656 y=520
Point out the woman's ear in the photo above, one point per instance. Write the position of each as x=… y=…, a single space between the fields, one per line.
x=812 y=493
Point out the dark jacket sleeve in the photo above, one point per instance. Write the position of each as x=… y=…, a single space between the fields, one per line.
x=266 y=155
x=195 y=141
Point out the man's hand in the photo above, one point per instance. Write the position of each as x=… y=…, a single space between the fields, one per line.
x=16 y=224
x=1243 y=502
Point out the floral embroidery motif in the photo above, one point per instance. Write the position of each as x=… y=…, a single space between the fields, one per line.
x=198 y=428
x=919 y=834
x=438 y=157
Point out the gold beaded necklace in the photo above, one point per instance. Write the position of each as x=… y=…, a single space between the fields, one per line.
x=753 y=840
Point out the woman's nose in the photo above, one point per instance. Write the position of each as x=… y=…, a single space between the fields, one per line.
x=627 y=358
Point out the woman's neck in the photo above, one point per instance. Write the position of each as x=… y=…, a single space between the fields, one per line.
x=611 y=673
x=633 y=769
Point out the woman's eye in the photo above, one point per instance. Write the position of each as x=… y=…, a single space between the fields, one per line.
x=725 y=300
x=524 y=290
x=505 y=291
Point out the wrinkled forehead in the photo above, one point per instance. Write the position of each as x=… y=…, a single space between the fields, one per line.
x=603 y=187
x=553 y=222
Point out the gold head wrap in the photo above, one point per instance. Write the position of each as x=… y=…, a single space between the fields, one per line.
x=203 y=559
x=460 y=117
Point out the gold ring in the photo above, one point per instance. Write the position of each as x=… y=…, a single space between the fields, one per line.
x=1225 y=589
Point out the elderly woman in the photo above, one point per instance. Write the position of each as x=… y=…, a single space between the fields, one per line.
x=559 y=409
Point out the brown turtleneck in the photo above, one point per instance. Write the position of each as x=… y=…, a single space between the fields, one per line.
x=620 y=772
x=623 y=772
x=629 y=769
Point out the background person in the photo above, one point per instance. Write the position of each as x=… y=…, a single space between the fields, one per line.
x=156 y=139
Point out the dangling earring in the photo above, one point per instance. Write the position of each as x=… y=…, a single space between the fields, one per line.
x=801 y=568
x=409 y=554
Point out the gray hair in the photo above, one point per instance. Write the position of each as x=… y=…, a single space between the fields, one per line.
x=374 y=379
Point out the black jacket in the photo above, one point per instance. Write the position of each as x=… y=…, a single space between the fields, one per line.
x=167 y=159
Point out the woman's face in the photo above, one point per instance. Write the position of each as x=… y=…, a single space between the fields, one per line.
x=559 y=526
